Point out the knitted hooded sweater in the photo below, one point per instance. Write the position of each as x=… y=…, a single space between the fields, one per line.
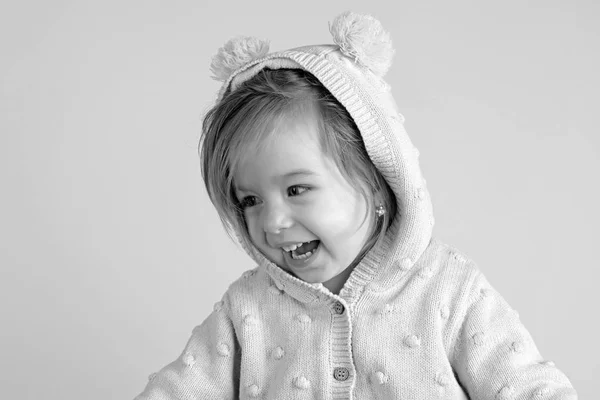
x=416 y=319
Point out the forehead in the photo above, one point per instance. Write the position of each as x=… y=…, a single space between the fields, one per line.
x=293 y=147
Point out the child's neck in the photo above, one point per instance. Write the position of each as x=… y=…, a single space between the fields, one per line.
x=336 y=283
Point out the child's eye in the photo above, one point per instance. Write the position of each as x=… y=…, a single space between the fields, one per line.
x=248 y=201
x=296 y=190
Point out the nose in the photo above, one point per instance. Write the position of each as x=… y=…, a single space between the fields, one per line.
x=276 y=217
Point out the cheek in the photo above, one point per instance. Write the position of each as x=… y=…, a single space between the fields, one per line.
x=253 y=228
x=343 y=217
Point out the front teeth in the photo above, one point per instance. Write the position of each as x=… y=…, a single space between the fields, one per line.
x=292 y=250
x=301 y=256
x=292 y=247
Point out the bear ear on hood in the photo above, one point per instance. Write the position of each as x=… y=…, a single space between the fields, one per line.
x=236 y=53
x=362 y=38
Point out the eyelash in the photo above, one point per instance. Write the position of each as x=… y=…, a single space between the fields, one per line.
x=244 y=202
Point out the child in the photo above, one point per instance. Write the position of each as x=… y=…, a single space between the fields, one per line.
x=307 y=161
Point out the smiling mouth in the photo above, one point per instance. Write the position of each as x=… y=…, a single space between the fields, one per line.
x=304 y=251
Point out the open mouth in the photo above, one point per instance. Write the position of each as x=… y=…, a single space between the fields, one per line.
x=302 y=251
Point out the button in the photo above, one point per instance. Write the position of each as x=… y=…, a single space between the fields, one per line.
x=338 y=308
x=341 y=374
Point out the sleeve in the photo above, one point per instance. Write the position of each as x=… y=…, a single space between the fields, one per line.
x=495 y=356
x=208 y=367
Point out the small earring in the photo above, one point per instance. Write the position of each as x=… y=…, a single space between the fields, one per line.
x=380 y=210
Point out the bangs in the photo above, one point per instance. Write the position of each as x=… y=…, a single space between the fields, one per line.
x=260 y=125
x=251 y=131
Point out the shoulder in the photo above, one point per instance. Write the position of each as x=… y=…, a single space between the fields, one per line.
x=448 y=267
x=247 y=284
x=453 y=278
x=442 y=277
x=455 y=285
x=248 y=293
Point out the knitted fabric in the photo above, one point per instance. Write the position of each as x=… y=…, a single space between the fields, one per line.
x=415 y=319
x=435 y=330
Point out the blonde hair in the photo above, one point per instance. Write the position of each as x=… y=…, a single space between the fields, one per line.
x=248 y=115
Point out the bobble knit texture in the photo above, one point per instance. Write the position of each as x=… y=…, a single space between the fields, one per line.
x=419 y=320
x=413 y=339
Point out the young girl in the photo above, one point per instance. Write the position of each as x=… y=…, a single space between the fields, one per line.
x=307 y=162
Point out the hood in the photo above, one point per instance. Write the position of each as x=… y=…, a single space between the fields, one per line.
x=368 y=99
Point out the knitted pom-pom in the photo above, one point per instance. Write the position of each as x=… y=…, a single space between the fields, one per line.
x=362 y=38
x=236 y=53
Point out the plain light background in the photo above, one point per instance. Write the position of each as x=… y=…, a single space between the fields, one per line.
x=111 y=253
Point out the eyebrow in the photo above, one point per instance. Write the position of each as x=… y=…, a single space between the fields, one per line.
x=299 y=172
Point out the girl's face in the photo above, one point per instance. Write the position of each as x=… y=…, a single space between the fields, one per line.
x=292 y=193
